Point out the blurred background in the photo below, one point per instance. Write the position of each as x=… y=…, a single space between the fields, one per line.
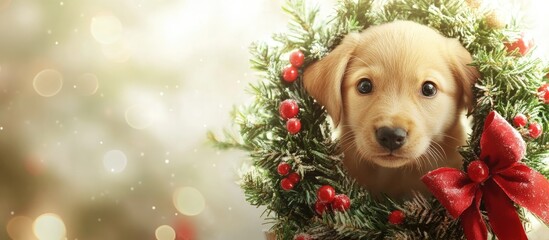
x=104 y=109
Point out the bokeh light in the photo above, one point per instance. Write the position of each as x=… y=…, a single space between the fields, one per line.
x=117 y=52
x=20 y=228
x=140 y=116
x=115 y=161
x=189 y=201
x=164 y=232
x=48 y=82
x=106 y=29
x=87 y=84
x=49 y=226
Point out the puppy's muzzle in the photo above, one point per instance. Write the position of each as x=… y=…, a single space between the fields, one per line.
x=391 y=138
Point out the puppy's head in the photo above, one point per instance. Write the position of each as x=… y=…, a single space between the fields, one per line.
x=395 y=89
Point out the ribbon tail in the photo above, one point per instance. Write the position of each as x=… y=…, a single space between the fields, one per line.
x=527 y=188
x=502 y=215
x=471 y=221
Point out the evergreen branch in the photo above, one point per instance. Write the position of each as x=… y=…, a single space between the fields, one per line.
x=225 y=144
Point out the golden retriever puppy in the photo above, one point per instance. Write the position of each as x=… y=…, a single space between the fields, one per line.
x=399 y=94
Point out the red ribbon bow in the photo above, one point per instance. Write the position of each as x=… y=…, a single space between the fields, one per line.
x=498 y=179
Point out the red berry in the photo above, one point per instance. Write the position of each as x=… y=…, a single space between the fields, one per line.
x=341 y=202
x=520 y=120
x=546 y=97
x=294 y=178
x=544 y=88
x=523 y=44
x=396 y=217
x=288 y=109
x=535 y=129
x=326 y=194
x=297 y=58
x=543 y=93
x=478 y=171
x=283 y=169
x=293 y=125
x=286 y=184
x=303 y=236
x=290 y=73
x=320 y=207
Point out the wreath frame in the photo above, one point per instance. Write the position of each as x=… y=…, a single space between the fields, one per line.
x=508 y=85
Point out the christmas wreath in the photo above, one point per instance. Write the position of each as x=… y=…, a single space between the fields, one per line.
x=296 y=171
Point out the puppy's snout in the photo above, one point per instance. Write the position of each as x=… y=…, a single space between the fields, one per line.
x=391 y=138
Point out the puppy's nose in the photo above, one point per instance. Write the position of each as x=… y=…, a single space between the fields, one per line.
x=391 y=138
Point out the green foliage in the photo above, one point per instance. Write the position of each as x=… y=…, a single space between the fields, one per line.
x=508 y=85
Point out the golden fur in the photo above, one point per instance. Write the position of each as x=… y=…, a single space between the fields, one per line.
x=398 y=58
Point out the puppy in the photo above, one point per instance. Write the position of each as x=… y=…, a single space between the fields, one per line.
x=398 y=93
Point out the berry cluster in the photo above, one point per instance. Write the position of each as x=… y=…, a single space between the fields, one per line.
x=291 y=178
x=326 y=199
x=534 y=128
x=291 y=72
x=289 y=108
x=288 y=111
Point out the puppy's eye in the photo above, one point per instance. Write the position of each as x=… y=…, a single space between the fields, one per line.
x=429 y=89
x=365 y=86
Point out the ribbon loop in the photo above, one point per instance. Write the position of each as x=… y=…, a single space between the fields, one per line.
x=501 y=145
x=453 y=189
x=527 y=188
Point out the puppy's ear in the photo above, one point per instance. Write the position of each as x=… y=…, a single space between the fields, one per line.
x=323 y=79
x=465 y=75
